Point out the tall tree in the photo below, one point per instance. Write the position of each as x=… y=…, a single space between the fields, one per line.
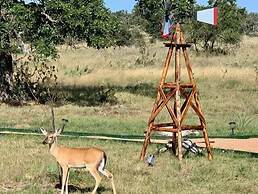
x=251 y=24
x=34 y=29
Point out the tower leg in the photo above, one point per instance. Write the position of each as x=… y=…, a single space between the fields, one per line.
x=179 y=142
x=145 y=143
x=177 y=95
x=203 y=123
x=207 y=142
x=174 y=143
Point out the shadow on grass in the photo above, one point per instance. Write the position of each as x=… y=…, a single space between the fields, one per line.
x=99 y=95
x=144 y=89
x=73 y=189
x=71 y=134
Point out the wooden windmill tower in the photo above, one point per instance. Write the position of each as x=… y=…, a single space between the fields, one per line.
x=177 y=98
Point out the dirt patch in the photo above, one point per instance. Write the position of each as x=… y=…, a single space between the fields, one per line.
x=246 y=145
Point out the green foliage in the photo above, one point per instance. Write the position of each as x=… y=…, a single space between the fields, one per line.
x=130 y=32
x=153 y=12
x=4 y=39
x=226 y=35
x=26 y=24
x=243 y=121
x=124 y=36
x=183 y=10
x=251 y=24
x=87 y=21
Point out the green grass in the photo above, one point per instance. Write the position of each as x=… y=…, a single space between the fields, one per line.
x=27 y=167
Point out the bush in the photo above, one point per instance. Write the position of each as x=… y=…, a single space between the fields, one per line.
x=33 y=81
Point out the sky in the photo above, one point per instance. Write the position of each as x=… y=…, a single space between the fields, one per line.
x=115 y=5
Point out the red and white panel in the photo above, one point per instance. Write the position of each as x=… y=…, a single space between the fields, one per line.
x=209 y=16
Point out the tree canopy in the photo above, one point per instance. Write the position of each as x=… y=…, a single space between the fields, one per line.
x=34 y=29
x=50 y=22
x=251 y=24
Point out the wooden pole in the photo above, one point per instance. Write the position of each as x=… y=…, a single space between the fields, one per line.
x=205 y=134
x=145 y=143
x=166 y=66
x=177 y=97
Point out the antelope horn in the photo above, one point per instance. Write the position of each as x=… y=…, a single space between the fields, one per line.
x=53 y=119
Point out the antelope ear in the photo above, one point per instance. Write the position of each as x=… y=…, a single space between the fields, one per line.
x=43 y=131
x=58 y=132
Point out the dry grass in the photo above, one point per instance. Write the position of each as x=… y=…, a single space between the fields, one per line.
x=117 y=66
x=227 y=89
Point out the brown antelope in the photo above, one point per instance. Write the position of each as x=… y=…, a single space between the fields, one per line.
x=93 y=159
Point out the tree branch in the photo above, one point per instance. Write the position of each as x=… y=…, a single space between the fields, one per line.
x=25 y=47
x=48 y=17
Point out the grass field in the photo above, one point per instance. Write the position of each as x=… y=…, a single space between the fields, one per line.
x=228 y=89
x=27 y=167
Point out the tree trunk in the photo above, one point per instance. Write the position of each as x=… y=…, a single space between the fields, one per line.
x=212 y=45
x=6 y=76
